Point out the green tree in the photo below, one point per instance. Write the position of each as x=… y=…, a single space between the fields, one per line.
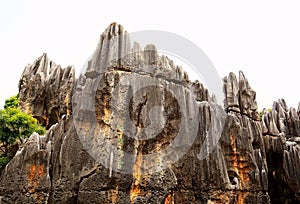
x=16 y=125
x=12 y=102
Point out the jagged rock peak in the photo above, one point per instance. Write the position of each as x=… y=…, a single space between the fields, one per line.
x=45 y=90
x=38 y=66
x=114 y=29
x=200 y=92
x=239 y=96
x=281 y=120
x=281 y=130
x=116 y=52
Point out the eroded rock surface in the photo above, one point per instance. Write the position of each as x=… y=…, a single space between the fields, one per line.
x=281 y=134
x=45 y=90
x=134 y=129
x=239 y=96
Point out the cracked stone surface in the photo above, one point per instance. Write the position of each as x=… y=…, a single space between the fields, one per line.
x=140 y=103
x=45 y=90
x=281 y=136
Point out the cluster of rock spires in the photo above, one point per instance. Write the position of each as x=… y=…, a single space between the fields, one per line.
x=46 y=90
x=280 y=127
x=253 y=159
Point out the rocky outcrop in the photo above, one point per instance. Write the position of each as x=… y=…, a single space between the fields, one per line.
x=242 y=141
x=279 y=146
x=239 y=96
x=136 y=130
x=281 y=134
x=45 y=90
x=114 y=52
x=26 y=178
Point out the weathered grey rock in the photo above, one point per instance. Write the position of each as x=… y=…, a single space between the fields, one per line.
x=26 y=179
x=115 y=52
x=239 y=96
x=130 y=106
x=281 y=120
x=200 y=92
x=282 y=147
x=231 y=90
x=45 y=90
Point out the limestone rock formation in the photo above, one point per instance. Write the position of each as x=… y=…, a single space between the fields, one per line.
x=239 y=96
x=200 y=92
x=242 y=140
x=133 y=129
x=46 y=90
x=114 y=52
x=281 y=135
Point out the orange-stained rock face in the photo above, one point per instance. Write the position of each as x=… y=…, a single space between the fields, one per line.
x=241 y=197
x=239 y=164
x=230 y=174
x=169 y=199
x=135 y=190
x=35 y=174
x=32 y=173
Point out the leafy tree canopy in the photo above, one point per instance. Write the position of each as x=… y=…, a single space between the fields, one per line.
x=12 y=102
x=16 y=125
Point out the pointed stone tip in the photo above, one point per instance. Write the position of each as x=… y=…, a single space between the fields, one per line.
x=43 y=56
x=150 y=47
x=232 y=76
x=113 y=24
x=114 y=29
x=241 y=75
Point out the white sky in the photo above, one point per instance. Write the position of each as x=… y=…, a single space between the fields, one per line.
x=262 y=38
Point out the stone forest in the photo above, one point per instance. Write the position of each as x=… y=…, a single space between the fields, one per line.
x=232 y=153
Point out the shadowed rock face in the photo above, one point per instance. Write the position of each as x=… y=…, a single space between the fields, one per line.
x=281 y=136
x=128 y=107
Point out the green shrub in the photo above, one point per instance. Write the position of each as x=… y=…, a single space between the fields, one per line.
x=12 y=102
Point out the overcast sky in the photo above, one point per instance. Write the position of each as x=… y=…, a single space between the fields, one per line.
x=261 y=38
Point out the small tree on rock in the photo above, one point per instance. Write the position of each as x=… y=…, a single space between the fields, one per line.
x=16 y=125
